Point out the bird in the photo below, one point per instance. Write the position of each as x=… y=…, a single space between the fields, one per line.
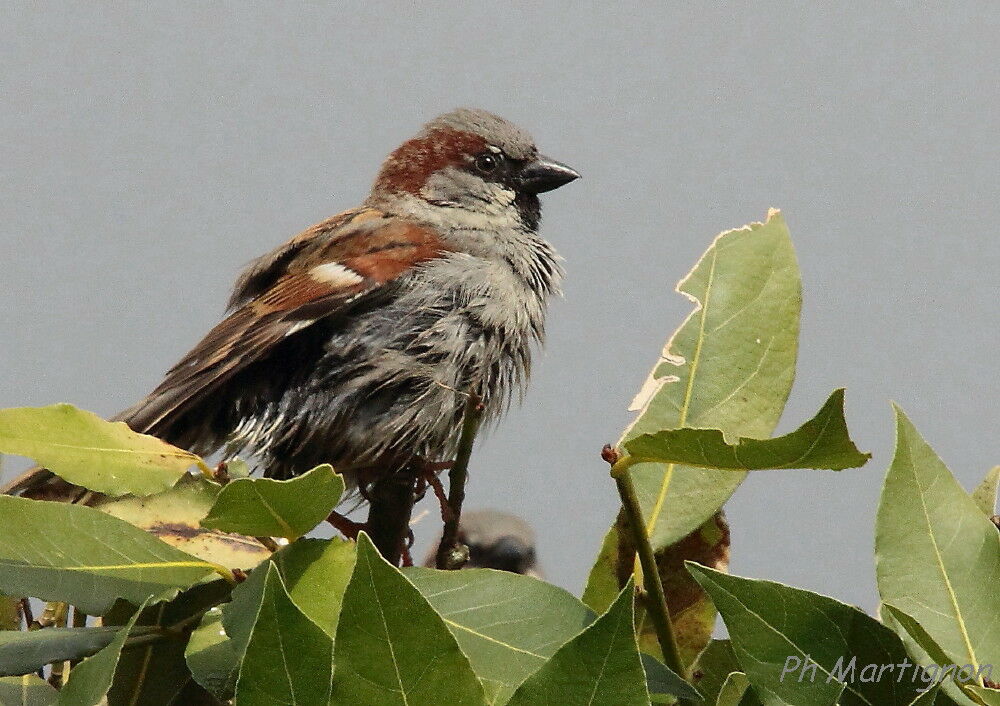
x=359 y=341
x=496 y=540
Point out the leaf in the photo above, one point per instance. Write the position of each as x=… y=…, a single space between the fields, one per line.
x=86 y=450
x=779 y=632
x=90 y=680
x=507 y=624
x=276 y=508
x=729 y=366
x=392 y=647
x=937 y=556
x=712 y=667
x=211 y=657
x=733 y=689
x=662 y=683
x=10 y=613
x=72 y=553
x=28 y=651
x=316 y=573
x=288 y=658
x=985 y=494
x=28 y=690
x=175 y=517
x=821 y=443
x=989 y=697
x=156 y=674
x=601 y=665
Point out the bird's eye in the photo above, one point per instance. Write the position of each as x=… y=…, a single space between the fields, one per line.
x=488 y=162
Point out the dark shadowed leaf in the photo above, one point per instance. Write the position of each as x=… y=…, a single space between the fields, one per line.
x=288 y=658
x=86 y=450
x=28 y=690
x=507 y=624
x=276 y=508
x=24 y=652
x=90 y=680
x=937 y=555
x=821 y=443
x=774 y=629
x=155 y=674
x=10 y=613
x=175 y=517
x=100 y=558
x=601 y=665
x=392 y=647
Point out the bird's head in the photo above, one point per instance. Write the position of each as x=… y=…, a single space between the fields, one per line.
x=470 y=169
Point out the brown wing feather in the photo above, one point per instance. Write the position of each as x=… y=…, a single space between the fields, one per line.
x=371 y=249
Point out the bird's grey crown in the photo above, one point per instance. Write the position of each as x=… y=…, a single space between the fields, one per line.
x=514 y=141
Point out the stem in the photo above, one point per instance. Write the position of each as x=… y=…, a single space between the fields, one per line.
x=657 y=600
x=268 y=543
x=451 y=553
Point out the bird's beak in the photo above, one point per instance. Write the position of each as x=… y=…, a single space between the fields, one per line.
x=543 y=174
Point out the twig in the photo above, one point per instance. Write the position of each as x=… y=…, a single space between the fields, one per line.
x=55 y=615
x=451 y=553
x=26 y=612
x=652 y=584
x=268 y=543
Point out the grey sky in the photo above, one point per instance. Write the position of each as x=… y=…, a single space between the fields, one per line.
x=147 y=153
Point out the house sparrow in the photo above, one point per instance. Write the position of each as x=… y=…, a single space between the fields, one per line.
x=358 y=341
x=496 y=540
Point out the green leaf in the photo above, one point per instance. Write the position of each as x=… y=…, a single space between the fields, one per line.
x=316 y=573
x=90 y=680
x=985 y=494
x=28 y=690
x=602 y=583
x=821 y=443
x=392 y=647
x=709 y=672
x=733 y=689
x=937 y=556
x=28 y=651
x=288 y=658
x=87 y=558
x=989 y=697
x=779 y=632
x=601 y=665
x=211 y=657
x=507 y=624
x=662 y=683
x=729 y=366
x=175 y=517
x=276 y=508
x=86 y=450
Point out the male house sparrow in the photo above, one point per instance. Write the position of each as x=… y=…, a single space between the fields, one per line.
x=358 y=341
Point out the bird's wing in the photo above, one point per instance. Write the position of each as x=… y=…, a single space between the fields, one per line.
x=317 y=274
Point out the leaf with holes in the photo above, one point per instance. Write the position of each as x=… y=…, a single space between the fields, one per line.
x=276 y=508
x=86 y=450
x=729 y=366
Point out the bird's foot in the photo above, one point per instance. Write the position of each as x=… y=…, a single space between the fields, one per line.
x=349 y=528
